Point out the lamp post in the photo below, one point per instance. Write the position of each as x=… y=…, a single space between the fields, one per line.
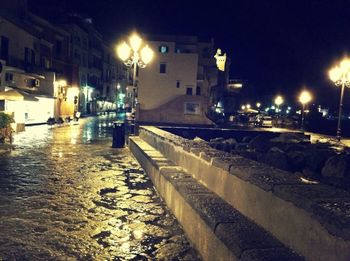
x=304 y=98
x=340 y=75
x=278 y=102
x=258 y=104
x=133 y=57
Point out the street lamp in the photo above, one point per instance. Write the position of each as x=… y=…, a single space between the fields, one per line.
x=278 y=101
x=132 y=56
x=304 y=98
x=340 y=75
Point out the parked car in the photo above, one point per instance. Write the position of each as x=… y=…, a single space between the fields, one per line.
x=263 y=121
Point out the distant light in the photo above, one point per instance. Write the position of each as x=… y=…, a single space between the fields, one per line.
x=279 y=100
x=258 y=104
x=267 y=109
x=248 y=106
x=273 y=107
x=289 y=108
x=305 y=97
x=243 y=107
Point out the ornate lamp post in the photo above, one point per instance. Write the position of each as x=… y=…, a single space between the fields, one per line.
x=340 y=75
x=304 y=98
x=132 y=56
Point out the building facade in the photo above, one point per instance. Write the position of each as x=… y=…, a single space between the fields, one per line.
x=54 y=69
x=175 y=86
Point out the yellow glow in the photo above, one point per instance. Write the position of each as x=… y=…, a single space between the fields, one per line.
x=345 y=64
x=305 y=97
x=335 y=74
x=243 y=107
x=71 y=92
x=258 y=104
x=279 y=100
x=123 y=51
x=248 y=106
x=146 y=54
x=61 y=83
x=135 y=42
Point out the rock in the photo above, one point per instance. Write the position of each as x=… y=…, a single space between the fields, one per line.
x=249 y=154
x=276 y=158
x=216 y=140
x=337 y=167
x=260 y=143
x=241 y=146
x=316 y=159
x=307 y=173
x=291 y=138
x=247 y=139
x=230 y=144
x=297 y=160
x=198 y=139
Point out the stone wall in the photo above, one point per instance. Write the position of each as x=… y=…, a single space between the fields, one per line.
x=308 y=217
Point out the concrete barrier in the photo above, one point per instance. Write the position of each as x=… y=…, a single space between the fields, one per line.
x=310 y=218
x=215 y=228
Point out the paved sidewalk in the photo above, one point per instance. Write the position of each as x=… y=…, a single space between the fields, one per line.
x=66 y=194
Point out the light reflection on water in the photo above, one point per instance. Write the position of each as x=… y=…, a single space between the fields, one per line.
x=81 y=200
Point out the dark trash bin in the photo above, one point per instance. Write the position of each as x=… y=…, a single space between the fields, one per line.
x=118 y=134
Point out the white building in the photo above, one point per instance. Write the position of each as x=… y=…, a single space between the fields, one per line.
x=25 y=92
x=175 y=86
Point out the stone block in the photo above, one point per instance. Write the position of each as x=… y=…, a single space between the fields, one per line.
x=273 y=254
x=212 y=209
x=243 y=235
x=261 y=175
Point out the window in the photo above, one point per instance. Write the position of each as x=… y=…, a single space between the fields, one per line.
x=189 y=90
x=45 y=62
x=4 y=48
x=58 y=47
x=33 y=57
x=191 y=108
x=177 y=84
x=26 y=55
x=163 y=49
x=198 y=91
x=162 y=68
x=8 y=77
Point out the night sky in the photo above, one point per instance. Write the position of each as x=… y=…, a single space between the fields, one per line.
x=278 y=46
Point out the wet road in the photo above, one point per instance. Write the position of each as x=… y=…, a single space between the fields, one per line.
x=65 y=194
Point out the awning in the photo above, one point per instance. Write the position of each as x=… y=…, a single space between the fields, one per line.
x=17 y=95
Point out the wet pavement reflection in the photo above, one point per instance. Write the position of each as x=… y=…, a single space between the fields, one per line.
x=65 y=194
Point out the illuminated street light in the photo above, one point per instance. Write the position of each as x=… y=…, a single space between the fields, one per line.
x=278 y=100
x=248 y=106
x=258 y=104
x=304 y=98
x=243 y=107
x=132 y=56
x=340 y=75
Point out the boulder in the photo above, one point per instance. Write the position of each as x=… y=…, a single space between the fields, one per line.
x=247 y=139
x=337 y=166
x=297 y=160
x=276 y=158
x=316 y=159
x=291 y=138
x=260 y=143
x=230 y=144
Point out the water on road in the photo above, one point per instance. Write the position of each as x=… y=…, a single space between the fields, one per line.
x=65 y=194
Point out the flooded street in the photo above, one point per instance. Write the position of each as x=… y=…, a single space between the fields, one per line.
x=65 y=194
